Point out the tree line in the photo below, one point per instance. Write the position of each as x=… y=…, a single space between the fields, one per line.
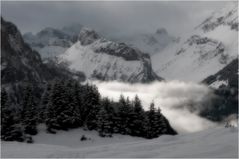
x=68 y=104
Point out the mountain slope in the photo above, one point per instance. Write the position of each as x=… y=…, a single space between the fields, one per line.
x=229 y=74
x=106 y=60
x=225 y=87
x=203 y=53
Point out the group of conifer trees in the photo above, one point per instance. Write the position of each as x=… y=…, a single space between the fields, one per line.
x=66 y=105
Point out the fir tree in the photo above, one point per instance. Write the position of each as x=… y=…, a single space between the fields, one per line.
x=152 y=123
x=161 y=123
x=91 y=107
x=10 y=128
x=105 y=119
x=123 y=114
x=43 y=103
x=52 y=107
x=73 y=109
x=29 y=114
x=138 y=119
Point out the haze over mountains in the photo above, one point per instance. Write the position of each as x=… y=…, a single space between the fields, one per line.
x=210 y=47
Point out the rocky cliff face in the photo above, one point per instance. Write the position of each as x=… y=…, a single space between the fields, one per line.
x=103 y=59
x=19 y=63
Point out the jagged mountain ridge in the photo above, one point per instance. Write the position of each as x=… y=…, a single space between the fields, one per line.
x=151 y=43
x=226 y=16
x=51 y=42
x=106 y=60
x=204 y=52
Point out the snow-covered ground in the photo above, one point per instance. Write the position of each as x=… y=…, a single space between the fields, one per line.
x=216 y=142
x=217 y=84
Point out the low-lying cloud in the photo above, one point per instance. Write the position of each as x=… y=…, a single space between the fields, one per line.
x=179 y=101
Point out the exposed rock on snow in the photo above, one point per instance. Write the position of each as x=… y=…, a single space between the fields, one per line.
x=203 y=53
x=106 y=60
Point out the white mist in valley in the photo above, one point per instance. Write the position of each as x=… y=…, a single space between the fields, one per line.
x=179 y=101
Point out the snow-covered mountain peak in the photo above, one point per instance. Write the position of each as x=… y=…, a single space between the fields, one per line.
x=228 y=15
x=103 y=59
x=87 y=36
x=73 y=29
x=51 y=32
x=151 y=43
x=209 y=48
x=161 y=31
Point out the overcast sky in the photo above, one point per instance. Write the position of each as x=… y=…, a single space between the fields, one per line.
x=111 y=18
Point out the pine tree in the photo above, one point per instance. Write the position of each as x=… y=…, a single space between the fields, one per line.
x=91 y=107
x=52 y=107
x=72 y=110
x=161 y=123
x=105 y=119
x=10 y=127
x=29 y=114
x=123 y=115
x=63 y=107
x=152 y=123
x=138 y=119
x=43 y=103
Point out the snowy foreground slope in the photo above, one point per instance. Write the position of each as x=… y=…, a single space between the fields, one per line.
x=216 y=142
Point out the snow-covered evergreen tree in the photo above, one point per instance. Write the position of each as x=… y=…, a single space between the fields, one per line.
x=124 y=115
x=91 y=107
x=73 y=109
x=10 y=127
x=161 y=123
x=152 y=124
x=105 y=119
x=138 y=118
x=45 y=98
x=29 y=114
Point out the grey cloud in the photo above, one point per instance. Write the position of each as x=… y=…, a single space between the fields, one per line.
x=110 y=18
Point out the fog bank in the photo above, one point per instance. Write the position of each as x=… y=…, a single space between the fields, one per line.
x=179 y=101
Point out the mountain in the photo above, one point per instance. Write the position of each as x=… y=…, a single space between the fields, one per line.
x=20 y=65
x=103 y=59
x=73 y=29
x=51 y=42
x=18 y=61
x=225 y=87
x=228 y=76
x=151 y=43
x=211 y=46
